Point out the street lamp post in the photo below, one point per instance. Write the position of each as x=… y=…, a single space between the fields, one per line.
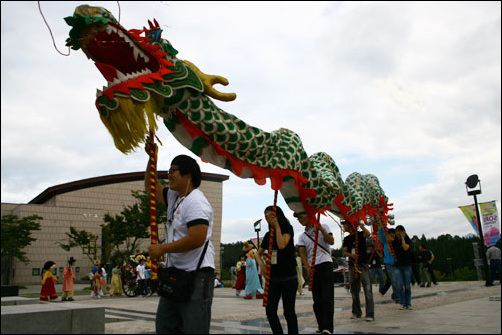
x=471 y=185
x=257 y=228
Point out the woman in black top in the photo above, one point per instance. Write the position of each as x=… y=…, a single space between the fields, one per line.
x=283 y=278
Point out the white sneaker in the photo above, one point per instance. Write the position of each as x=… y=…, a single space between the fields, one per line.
x=370 y=319
x=353 y=316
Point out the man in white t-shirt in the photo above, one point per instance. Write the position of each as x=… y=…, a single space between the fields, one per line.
x=189 y=227
x=140 y=271
x=493 y=255
x=323 y=290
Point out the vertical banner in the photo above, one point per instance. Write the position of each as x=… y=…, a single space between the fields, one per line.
x=490 y=219
x=470 y=213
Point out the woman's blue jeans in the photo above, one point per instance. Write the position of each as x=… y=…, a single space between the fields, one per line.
x=403 y=283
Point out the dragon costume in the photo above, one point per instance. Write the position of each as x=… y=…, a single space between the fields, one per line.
x=146 y=80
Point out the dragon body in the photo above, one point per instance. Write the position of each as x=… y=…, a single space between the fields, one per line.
x=146 y=80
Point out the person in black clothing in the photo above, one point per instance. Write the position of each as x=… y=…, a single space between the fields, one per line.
x=424 y=257
x=431 y=269
x=283 y=277
x=354 y=247
x=403 y=269
x=415 y=268
x=374 y=260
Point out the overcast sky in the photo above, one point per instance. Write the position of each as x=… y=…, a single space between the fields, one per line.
x=407 y=91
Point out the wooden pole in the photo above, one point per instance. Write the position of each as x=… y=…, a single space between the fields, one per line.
x=269 y=258
x=314 y=254
x=152 y=184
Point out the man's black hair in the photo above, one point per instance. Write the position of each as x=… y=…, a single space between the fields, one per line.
x=188 y=165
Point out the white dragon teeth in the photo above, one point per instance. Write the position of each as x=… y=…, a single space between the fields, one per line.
x=121 y=77
x=124 y=77
x=122 y=35
x=136 y=51
x=110 y=29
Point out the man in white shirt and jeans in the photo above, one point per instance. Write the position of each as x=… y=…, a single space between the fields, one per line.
x=189 y=226
x=323 y=290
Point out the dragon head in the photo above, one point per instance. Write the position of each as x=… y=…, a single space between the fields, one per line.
x=129 y=62
x=135 y=64
x=126 y=59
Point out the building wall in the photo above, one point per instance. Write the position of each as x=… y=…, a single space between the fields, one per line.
x=84 y=209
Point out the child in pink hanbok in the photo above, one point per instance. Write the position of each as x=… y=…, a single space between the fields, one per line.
x=69 y=280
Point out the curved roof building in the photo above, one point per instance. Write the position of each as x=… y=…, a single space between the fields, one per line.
x=82 y=204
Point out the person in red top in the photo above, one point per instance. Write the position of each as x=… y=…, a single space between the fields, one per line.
x=240 y=284
x=48 y=291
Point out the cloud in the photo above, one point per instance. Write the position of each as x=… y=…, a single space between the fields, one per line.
x=407 y=91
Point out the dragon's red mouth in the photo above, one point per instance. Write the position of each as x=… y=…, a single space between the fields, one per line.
x=120 y=58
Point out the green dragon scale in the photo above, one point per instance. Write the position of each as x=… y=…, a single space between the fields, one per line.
x=146 y=80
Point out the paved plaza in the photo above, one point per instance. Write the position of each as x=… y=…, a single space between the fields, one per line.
x=449 y=308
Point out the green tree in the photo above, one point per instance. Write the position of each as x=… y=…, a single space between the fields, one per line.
x=16 y=235
x=129 y=227
x=229 y=257
x=464 y=274
x=83 y=239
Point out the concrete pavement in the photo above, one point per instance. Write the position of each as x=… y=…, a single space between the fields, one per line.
x=450 y=308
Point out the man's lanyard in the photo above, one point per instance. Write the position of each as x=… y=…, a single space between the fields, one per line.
x=318 y=244
x=170 y=220
x=170 y=223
